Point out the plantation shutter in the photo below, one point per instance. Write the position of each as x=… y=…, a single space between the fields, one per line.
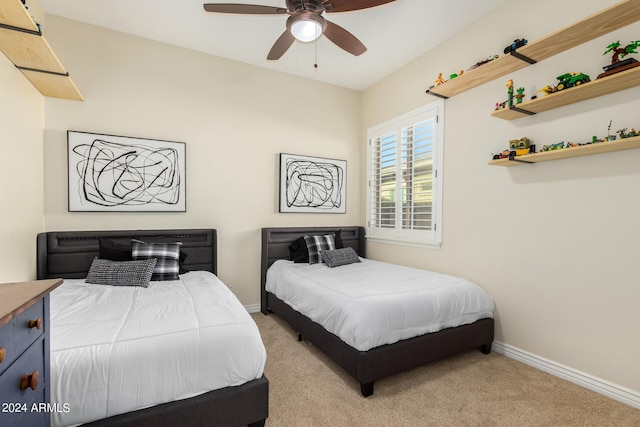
x=417 y=175
x=403 y=193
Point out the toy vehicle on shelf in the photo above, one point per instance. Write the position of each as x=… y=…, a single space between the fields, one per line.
x=568 y=80
x=515 y=45
x=504 y=155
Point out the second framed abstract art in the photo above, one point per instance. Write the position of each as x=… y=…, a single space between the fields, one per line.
x=312 y=184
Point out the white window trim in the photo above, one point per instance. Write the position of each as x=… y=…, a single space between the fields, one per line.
x=411 y=237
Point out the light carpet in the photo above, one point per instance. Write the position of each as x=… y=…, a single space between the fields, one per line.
x=471 y=389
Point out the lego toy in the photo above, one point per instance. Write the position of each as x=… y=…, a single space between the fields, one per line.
x=552 y=147
x=568 y=80
x=511 y=96
x=517 y=147
x=484 y=61
x=548 y=89
x=522 y=146
x=515 y=45
x=520 y=95
x=510 y=93
x=617 y=64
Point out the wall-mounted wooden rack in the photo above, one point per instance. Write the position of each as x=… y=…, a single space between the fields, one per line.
x=23 y=43
x=617 y=16
x=565 y=153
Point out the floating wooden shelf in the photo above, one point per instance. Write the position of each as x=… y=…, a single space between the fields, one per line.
x=617 y=16
x=565 y=153
x=593 y=89
x=22 y=42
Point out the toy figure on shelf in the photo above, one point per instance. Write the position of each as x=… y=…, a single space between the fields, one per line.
x=440 y=80
x=617 y=64
x=510 y=93
x=520 y=95
x=510 y=96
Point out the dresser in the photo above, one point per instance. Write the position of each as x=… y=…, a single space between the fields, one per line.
x=24 y=353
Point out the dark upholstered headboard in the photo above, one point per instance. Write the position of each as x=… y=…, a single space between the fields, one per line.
x=276 y=241
x=68 y=254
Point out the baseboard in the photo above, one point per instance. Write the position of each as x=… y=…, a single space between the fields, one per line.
x=253 y=308
x=614 y=391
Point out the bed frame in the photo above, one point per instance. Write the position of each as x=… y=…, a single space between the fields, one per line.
x=68 y=254
x=365 y=366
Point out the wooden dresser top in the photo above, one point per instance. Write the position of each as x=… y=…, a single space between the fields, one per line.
x=17 y=297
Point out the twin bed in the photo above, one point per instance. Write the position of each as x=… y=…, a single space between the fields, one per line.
x=373 y=319
x=176 y=352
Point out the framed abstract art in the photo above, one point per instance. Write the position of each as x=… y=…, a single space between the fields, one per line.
x=109 y=173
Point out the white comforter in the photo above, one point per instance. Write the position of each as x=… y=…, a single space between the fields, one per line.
x=372 y=303
x=117 y=349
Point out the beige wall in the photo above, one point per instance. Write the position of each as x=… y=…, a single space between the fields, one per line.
x=21 y=188
x=234 y=118
x=555 y=243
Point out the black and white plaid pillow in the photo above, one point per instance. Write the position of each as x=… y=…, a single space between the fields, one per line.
x=316 y=244
x=121 y=273
x=168 y=256
x=340 y=257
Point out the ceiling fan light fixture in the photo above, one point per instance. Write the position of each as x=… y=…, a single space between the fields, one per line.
x=307 y=27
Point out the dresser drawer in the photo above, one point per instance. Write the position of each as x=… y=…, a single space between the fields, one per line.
x=15 y=400
x=20 y=332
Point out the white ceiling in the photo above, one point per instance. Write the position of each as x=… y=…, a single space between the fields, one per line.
x=395 y=33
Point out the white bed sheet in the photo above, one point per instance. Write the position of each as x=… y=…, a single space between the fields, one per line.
x=115 y=349
x=371 y=303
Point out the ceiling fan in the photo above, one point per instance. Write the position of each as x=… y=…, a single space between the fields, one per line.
x=305 y=22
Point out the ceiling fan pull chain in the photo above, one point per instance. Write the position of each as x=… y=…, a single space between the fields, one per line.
x=315 y=46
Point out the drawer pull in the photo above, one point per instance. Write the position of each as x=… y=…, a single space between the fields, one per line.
x=35 y=323
x=3 y=353
x=29 y=381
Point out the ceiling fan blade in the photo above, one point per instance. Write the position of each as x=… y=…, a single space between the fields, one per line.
x=351 y=5
x=281 y=45
x=344 y=39
x=250 y=9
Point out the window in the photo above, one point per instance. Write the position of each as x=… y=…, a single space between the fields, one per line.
x=405 y=178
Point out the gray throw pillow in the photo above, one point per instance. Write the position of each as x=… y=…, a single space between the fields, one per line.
x=338 y=257
x=121 y=273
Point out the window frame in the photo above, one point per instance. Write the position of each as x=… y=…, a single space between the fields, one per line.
x=398 y=235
